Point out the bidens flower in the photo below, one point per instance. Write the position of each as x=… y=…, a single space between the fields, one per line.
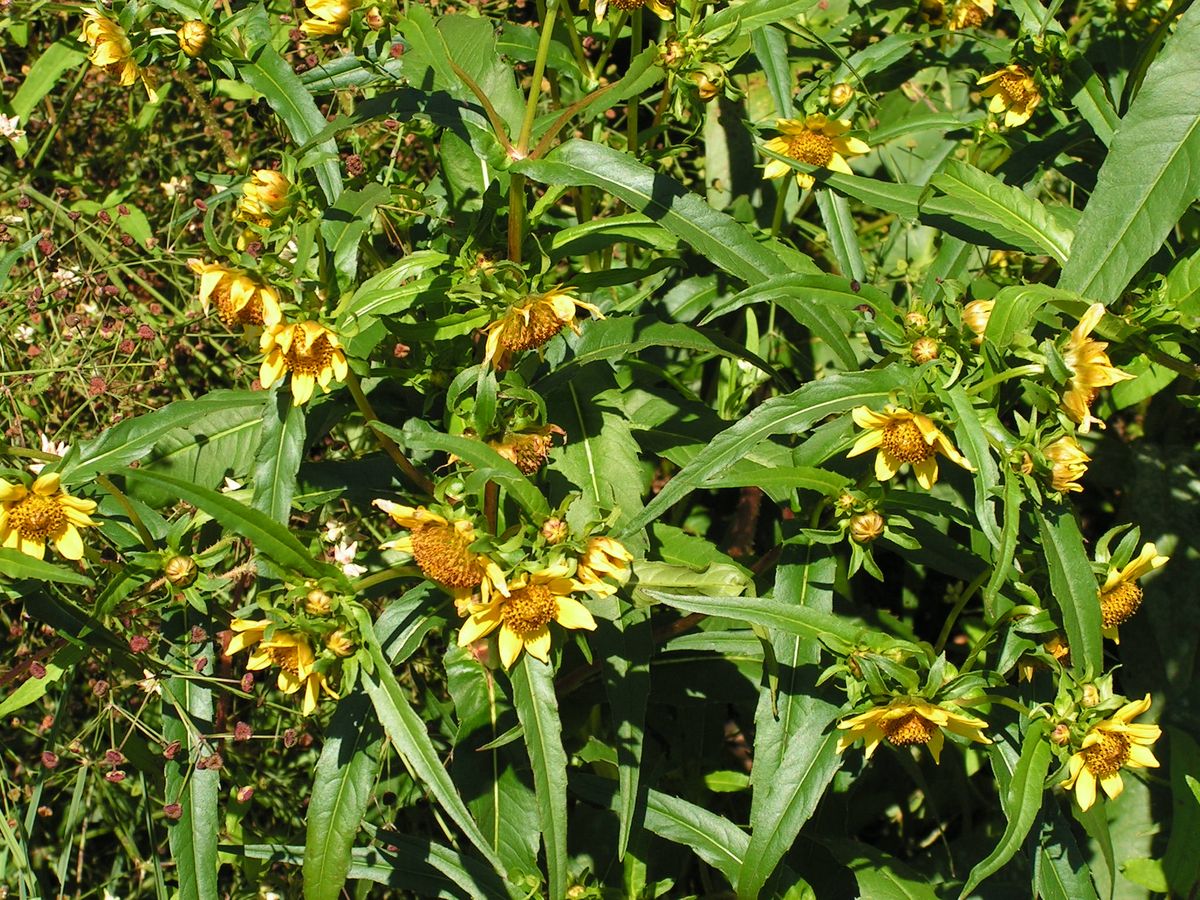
x=908 y=721
x=971 y=13
x=29 y=517
x=1068 y=464
x=287 y=649
x=330 y=17
x=524 y=616
x=603 y=558
x=664 y=9
x=816 y=140
x=193 y=37
x=264 y=197
x=1013 y=92
x=528 y=448
x=1109 y=746
x=442 y=549
x=532 y=322
x=240 y=297
x=975 y=315
x=111 y=50
x=309 y=350
x=1121 y=595
x=904 y=437
x=1091 y=369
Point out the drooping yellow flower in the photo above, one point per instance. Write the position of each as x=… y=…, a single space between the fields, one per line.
x=1121 y=595
x=525 y=614
x=664 y=9
x=309 y=350
x=532 y=322
x=289 y=650
x=1108 y=747
x=975 y=315
x=29 y=517
x=442 y=550
x=263 y=198
x=907 y=721
x=971 y=13
x=1069 y=464
x=603 y=557
x=904 y=437
x=1091 y=369
x=1013 y=92
x=241 y=298
x=111 y=50
x=816 y=140
x=193 y=37
x=330 y=17
x=528 y=448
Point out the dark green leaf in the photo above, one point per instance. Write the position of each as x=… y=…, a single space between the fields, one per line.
x=280 y=452
x=14 y=564
x=1073 y=587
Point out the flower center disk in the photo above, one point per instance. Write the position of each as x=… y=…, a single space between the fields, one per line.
x=913 y=728
x=904 y=441
x=529 y=609
x=810 y=147
x=287 y=658
x=37 y=518
x=443 y=553
x=518 y=334
x=1014 y=88
x=1118 y=605
x=1105 y=758
x=312 y=360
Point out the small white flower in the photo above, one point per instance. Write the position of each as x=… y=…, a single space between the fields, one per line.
x=175 y=186
x=334 y=531
x=65 y=276
x=24 y=334
x=150 y=684
x=230 y=486
x=288 y=254
x=343 y=555
x=58 y=448
x=9 y=129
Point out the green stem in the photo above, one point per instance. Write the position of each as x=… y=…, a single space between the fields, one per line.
x=780 y=203
x=959 y=606
x=1017 y=372
x=612 y=42
x=986 y=639
x=516 y=215
x=635 y=102
x=389 y=446
x=143 y=532
x=539 y=69
x=386 y=575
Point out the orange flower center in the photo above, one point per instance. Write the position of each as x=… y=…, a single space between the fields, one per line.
x=36 y=518
x=443 y=553
x=1016 y=88
x=250 y=314
x=1107 y=757
x=810 y=147
x=517 y=334
x=529 y=609
x=311 y=361
x=1118 y=605
x=287 y=658
x=913 y=728
x=628 y=4
x=903 y=440
x=526 y=451
x=969 y=15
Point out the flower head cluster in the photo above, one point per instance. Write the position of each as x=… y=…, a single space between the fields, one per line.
x=111 y=50
x=240 y=297
x=664 y=9
x=43 y=513
x=308 y=350
x=290 y=650
x=329 y=17
x=532 y=322
x=193 y=36
x=906 y=721
x=816 y=140
x=904 y=437
x=264 y=197
x=1121 y=595
x=1068 y=464
x=1090 y=368
x=603 y=558
x=1109 y=746
x=1013 y=92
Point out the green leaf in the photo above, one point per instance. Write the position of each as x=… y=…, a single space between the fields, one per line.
x=1016 y=305
x=1181 y=863
x=784 y=478
x=1060 y=871
x=33 y=689
x=344 y=223
x=752 y=14
x=537 y=708
x=880 y=876
x=341 y=792
x=1150 y=176
x=1073 y=587
x=268 y=536
x=771 y=51
x=280 y=452
x=14 y=565
x=1006 y=213
x=188 y=714
x=1090 y=97
x=408 y=734
x=843 y=237
x=714 y=235
x=1024 y=801
x=61 y=56
x=789 y=414
x=973 y=444
x=272 y=77
x=135 y=437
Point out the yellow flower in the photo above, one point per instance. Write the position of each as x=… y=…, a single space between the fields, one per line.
x=1107 y=747
x=603 y=558
x=664 y=9
x=975 y=315
x=1091 y=369
x=241 y=298
x=532 y=322
x=904 y=437
x=309 y=350
x=290 y=651
x=971 y=13
x=907 y=721
x=528 y=448
x=29 y=517
x=264 y=197
x=816 y=140
x=111 y=50
x=442 y=549
x=525 y=614
x=1013 y=92
x=193 y=37
x=1121 y=595
x=1069 y=464
x=330 y=17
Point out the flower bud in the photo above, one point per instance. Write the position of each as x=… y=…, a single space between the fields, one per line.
x=975 y=316
x=917 y=320
x=318 y=603
x=1061 y=734
x=180 y=571
x=670 y=53
x=554 y=530
x=840 y=94
x=845 y=503
x=374 y=18
x=924 y=350
x=866 y=527
x=709 y=80
x=340 y=643
x=1091 y=695
x=193 y=37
